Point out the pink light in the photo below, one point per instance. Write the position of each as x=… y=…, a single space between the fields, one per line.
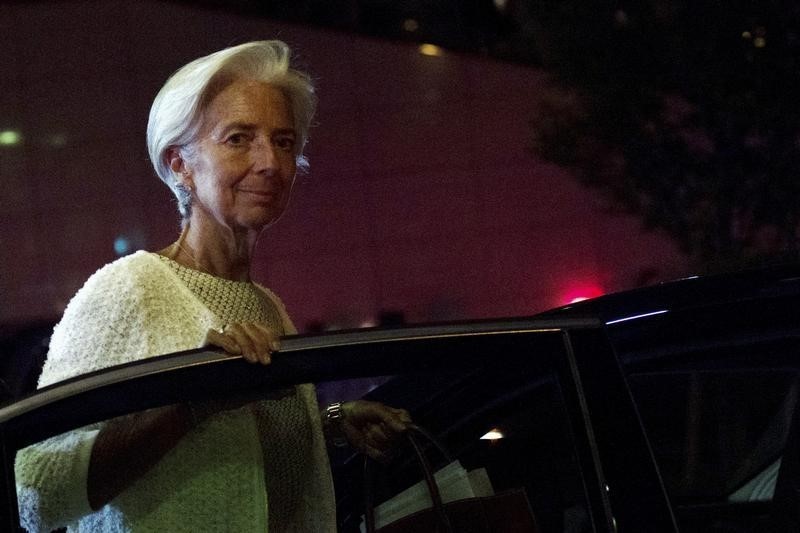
x=581 y=292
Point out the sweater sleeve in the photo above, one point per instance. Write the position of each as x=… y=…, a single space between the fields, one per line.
x=95 y=332
x=121 y=314
x=51 y=480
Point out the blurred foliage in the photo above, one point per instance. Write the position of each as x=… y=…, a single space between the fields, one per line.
x=683 y=112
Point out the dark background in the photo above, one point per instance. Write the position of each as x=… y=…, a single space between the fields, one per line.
x=546 y=151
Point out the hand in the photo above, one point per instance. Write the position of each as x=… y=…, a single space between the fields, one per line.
x=253 y=341
x=372 y=428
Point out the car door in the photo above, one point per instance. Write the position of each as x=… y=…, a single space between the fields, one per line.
x=716 y=386
x=571 y=436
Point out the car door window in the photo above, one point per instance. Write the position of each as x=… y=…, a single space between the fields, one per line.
x=718 y=435
x=510 y=421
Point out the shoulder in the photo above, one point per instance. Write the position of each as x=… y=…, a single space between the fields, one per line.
x=124 y=282
x=135 y=290
x=129 y=271
x=288 y=325
x=132 y=280
x=123 y=312
x=111 y=283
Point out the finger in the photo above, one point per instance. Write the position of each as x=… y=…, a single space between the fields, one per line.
x=240 y=336
x=377 y=438
x=394 y=420
x=394 y=432
x=262 y=339
x=375 y=454
x=272 y=338
x=395 y=425
x=215 y=338
x=258 y=340
x=403 y=416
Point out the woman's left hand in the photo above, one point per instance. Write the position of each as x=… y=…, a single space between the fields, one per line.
x=372 y=427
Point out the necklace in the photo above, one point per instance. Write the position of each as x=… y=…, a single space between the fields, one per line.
x=197 y=264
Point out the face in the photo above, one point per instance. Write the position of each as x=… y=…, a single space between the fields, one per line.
x=242 y=167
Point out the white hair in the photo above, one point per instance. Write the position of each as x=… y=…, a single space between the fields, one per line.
x=177 y=112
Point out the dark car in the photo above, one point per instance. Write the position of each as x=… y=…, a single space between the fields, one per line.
x=670 y=408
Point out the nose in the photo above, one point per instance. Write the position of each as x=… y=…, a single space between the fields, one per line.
x=265 y=158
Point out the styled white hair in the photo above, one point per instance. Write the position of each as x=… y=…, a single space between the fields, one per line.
x=177 y=112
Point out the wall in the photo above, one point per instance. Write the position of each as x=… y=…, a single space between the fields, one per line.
x=422 y=197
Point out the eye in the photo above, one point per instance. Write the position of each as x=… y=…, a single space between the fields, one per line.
x=237 y=139
x=284 y=142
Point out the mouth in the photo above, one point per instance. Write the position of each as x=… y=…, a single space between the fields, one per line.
x=261 y=194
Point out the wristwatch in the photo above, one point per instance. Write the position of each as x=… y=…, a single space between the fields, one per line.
x=334 y=414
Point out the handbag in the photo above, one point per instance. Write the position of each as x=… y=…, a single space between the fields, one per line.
x=421 y=508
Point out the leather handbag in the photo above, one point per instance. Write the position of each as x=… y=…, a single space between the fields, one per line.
x=507 y=512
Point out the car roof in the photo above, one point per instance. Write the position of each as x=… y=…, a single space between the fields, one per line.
x=687 y=293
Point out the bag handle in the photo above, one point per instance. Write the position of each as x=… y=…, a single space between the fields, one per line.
x=412 y=435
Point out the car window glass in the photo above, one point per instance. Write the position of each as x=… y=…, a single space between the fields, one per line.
x=348 y=389
x=718 y=435
x=523 y=405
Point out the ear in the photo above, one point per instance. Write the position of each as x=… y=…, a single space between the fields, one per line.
x=178 y=165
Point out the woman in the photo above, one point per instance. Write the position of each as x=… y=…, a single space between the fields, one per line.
x=226 y=134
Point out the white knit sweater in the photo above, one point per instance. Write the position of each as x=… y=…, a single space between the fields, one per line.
x=213 y=480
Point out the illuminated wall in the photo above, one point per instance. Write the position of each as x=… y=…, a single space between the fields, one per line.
x=422 y=197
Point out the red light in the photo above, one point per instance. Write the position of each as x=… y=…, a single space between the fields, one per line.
x=580 y=293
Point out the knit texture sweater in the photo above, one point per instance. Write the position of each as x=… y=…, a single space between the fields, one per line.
x=214 y=479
